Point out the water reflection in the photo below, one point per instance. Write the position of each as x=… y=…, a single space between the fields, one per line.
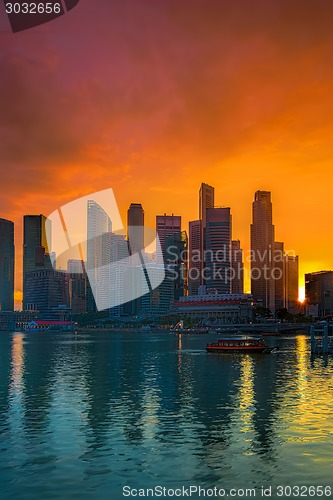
x=91 y=412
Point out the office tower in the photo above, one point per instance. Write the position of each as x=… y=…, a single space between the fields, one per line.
x=262 y=245
x=99 y=223
x=291 y=283
x=6 y=265
x=77 y=286
x=135 y=227
x=278 y=273
x=47 y=291
x=206 y=200
x=237 y=274
x=167 y=225
x=319 y=291
x=218 y=249
x=35 y=246
x=175 y=259
x=194 y=260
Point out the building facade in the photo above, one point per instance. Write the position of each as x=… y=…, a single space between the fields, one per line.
x=237 y=265
x=7 y=257
x=319 y=292
x=206 y=200
x=218 y=249
x=36 y=254
x=262 y=248
x=47 y=292
x=135 y=227
x=194 y=257
x=291 y=283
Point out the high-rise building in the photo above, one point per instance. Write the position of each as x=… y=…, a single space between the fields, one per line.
x=6 y=265
x=176 y=257
x=262 y=247
x=279 y=275
x=319 y=291
x=237 y=274
x=194 y=259
x=291 y=283
x=99 y=223
x=206 y=200
x=135 y=227
x=167 y=225
x=218 y=249
x=36 y=254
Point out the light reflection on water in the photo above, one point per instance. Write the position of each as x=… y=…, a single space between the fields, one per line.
x=83 y=415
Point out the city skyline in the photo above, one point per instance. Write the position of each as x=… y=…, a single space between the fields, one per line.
x=214 y=212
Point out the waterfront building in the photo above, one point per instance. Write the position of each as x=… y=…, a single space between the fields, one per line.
x=319 y=292
x=135 y=227
x=213 y=307
x=218 y=249
x=262 y=247
x=237 y=265
x=7 y=254
x=36 y=254
x=47 y=292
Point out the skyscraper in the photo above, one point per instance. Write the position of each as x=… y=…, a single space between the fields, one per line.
x=135 y=227
x=262 y=247
x=167 y=225
x=279 y=275
x=206 y=200
x=194 y=259
x=6 y=265
x=99 y=223
x=36 y=255
x=218 y=249
x=237 y=276
x=291 y=283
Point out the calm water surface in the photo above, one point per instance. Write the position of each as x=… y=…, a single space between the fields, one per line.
x=83 y=415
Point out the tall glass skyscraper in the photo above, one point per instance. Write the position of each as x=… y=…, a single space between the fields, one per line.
x=6 y=265
x=262 y=249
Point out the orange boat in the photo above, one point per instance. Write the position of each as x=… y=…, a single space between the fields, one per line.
x=239 y=344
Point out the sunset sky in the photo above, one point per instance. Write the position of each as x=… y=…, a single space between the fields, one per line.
x=153 y=97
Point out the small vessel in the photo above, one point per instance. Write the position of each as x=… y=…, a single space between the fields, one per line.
x=239 y=343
